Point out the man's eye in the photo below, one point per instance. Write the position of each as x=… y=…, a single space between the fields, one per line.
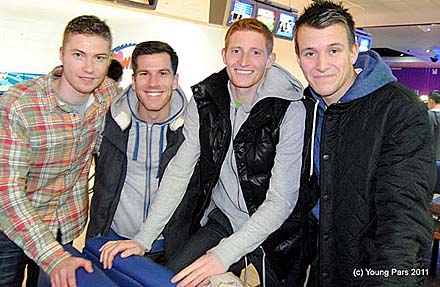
x=101 y=58
x=256 y=53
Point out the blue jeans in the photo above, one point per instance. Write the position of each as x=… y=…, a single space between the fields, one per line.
x=208 y=236
x=12 y=264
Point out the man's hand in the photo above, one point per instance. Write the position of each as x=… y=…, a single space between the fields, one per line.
x=64 y=272
x=198 y=273
x=112 y=248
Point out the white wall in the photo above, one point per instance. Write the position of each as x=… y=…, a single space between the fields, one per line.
x=31 y=34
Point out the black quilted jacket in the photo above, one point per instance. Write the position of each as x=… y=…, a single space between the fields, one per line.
x=376 y=179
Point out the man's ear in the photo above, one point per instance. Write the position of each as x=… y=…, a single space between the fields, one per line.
x=175 y=81
x=62 y=55
x=133 y=81
x=298 y=60
x=271 y=59
x=354 y=53
x=224 y=55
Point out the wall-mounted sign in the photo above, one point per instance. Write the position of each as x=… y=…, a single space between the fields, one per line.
x=8 y=79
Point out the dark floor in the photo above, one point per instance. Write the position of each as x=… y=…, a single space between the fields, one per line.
x=434 y=281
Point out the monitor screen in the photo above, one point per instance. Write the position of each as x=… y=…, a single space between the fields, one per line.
x=267 y=15
x=147 y=4
x=241 y=9
x=141 y=1
x=364 y=44
x=363 y=39
x=286 y=22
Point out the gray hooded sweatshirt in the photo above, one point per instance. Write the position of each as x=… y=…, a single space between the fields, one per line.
x=146 y=143
x=249 y=231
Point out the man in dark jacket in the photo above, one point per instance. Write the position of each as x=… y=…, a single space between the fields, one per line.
x=373 y=156
x=142 y=133
x=434 y=118
x=244 y=127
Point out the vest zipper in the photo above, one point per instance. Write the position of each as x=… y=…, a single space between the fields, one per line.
x=232 y=166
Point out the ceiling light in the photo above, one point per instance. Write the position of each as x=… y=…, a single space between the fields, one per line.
x=424 y=28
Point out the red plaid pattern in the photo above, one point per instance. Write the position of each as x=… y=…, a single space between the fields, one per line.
x=45 y=157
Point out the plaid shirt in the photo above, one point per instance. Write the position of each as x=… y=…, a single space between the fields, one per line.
x=45 y=157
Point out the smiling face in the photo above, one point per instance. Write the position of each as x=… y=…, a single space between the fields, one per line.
x=326 y=59
x=431 y=103
x=85 y=60
x=154 y=83
x=246 y=58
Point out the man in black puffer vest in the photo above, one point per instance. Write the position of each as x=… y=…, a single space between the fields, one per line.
x=245 y=129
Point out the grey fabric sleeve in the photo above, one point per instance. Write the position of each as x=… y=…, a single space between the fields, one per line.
x=281 y=196
x=174 y=182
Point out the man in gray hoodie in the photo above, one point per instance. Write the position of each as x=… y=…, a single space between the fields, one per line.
x=142 y=132
x=244 y=127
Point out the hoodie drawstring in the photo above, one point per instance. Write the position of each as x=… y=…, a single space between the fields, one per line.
x=136 y=145
x=263 y=266
x=245 y=271
x=161 y=147
x=312 y=149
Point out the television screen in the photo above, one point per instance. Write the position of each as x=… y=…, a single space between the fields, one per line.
x=267 y=15
x=241 y=9
x=364 y=44
x=363 y=39
x=147 y=4
x=286 y=22
x=141 y=1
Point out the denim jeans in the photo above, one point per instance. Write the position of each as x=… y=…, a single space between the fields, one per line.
x=12 y=264
x=208 y=236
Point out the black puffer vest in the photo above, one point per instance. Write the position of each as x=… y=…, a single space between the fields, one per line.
x=254 y=148
x=254 y=145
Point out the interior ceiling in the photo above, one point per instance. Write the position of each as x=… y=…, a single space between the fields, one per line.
x=408 y=26
x=398 y=25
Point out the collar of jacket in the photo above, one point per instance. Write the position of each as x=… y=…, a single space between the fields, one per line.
x=216 y=86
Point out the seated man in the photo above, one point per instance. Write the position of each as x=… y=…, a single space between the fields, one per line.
x=244 y=127
x=142 y=132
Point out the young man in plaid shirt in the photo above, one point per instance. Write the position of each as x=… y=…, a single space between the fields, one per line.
x=48 y=129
